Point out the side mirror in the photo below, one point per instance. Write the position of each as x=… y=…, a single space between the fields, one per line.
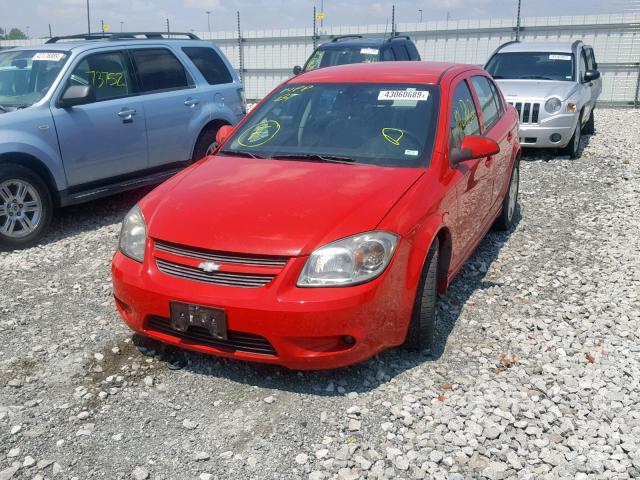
x=472 y=147
x=591 y=75
x=224 y=132
x=77 y=95
x=297 y=70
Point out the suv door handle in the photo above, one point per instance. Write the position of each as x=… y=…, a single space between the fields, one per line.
x=127 y=114
x=191 y=102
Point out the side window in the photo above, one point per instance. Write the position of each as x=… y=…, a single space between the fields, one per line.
x=387 y=54
x=400 y=51
x=583 y=64
x=464 y=118
x=487 y=99
x=159 y=69
x=107 y=73
x=498 y=96
x=209 y=63
x=591 y=60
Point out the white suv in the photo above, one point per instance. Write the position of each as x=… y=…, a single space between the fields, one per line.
x=554 y=87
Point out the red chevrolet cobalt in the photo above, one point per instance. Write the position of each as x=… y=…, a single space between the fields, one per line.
x=320 y=231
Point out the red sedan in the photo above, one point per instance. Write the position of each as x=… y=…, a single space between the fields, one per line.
x=322 y=228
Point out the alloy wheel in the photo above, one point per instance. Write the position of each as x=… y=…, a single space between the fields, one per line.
x=20 y=208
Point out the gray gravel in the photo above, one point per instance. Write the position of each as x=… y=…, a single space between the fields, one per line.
x=538 y=374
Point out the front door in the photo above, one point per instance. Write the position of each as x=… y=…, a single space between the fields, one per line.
x=105 y=138
x=475 y=186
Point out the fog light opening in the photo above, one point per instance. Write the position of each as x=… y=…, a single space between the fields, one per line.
x=555 y=138
x=348 y=340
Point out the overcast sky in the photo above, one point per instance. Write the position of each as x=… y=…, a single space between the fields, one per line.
x=69 y=16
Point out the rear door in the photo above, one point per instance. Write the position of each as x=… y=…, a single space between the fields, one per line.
x=105 y=138
x=492 y=112
x=169 y=97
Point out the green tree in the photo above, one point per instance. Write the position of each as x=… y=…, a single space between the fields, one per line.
x=16 y=34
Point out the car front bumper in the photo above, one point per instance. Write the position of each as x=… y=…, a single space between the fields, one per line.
x=307 y=328
x=551 y=132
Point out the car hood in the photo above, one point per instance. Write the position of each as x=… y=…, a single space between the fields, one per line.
x=522 y=90
x=272 y=207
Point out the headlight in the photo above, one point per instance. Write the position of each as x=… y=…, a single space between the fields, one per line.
x=133 y=235
x=349 y=261
x=553 y=105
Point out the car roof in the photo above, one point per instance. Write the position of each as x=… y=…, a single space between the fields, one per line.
x=383 y=72
x=563 y=47
x=353 y=42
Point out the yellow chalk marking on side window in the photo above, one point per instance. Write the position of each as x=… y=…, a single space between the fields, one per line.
x=393 y=135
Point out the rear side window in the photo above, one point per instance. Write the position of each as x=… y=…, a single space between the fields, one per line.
x=401 y=52
x=487 y=99
x=209 y=63
x=464 y=117
x=413 y=51
x=107 y=73
x=387 y=55
x=159 y=69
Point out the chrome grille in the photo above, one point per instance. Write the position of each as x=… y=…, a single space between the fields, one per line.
x=236 y=341
x=220 y=257
x=216 y=278
x=528 y=112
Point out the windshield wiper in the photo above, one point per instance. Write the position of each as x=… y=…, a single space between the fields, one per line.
x=315 y=157
x=240 y=153
x=535 y=77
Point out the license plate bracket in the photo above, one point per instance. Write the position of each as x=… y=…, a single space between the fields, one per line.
x=185 y=315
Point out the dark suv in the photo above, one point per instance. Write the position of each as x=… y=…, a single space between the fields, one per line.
x=356 y=49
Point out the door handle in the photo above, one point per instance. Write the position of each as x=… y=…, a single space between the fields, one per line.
x=126 y=114
x=191 y=102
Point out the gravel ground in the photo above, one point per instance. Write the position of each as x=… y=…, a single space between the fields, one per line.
x=538 y=374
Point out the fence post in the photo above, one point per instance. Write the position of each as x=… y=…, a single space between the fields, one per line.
x=240 y=53
x=393 y=20
x=518 y=22
x=637 y=97
x=315 y=35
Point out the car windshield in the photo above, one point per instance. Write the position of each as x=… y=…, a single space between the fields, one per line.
x=532 y=66
x=328 y=57
x=27 y=75
x=375 y=124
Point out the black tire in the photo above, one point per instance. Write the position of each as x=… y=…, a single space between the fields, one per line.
x=590 y=127
x=507 y=215
x=206 y=143
x=573 y=147
x=16 y=236
x=421 y=329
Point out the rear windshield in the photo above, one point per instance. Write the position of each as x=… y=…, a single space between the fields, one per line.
x=333 y=56
x=532 y=66
x=375 y=124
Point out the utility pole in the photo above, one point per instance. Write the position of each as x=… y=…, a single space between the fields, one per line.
x=88 y=19
x=209 y=21
x=518 y=22
x=315 y=31
x=240 y=52
x=168 y=29
x=322 y=10
x=393 y=20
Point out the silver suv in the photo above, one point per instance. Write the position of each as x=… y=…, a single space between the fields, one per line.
x=554 y=87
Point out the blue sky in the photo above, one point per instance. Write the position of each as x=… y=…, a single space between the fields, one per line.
x=69 y=16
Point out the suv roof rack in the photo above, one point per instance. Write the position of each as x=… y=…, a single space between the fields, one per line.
x=406 y=37
x=127 y=36
x=342 y=37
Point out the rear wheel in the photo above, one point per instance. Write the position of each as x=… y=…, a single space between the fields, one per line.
x=423 y=320
x=510 y=201
x=206 y=143
x=590 y=127
x=25 y=207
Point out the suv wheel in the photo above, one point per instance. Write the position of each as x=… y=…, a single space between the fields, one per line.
x=590 y=127
x=206 y=144
x=573 y=147
x=25 y=207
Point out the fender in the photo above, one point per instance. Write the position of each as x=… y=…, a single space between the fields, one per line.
x=223 y=115
x=34 y=146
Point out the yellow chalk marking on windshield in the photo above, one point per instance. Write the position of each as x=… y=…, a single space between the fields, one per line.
x=259 y=134
x=393 y=135
x=288 y=93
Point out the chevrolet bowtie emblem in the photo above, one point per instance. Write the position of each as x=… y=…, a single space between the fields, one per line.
x=209 y=267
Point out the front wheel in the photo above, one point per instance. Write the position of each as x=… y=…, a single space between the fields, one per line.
x=423 y=319
x=573 y=147
x=510 y=202
x=590 y=127
x=206 y=144
x=25 y=207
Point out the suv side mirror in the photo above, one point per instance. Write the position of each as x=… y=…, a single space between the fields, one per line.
x=297 y=70
x=591 y=75
x=472 y=147
x=77 y=95
x=224 y=132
